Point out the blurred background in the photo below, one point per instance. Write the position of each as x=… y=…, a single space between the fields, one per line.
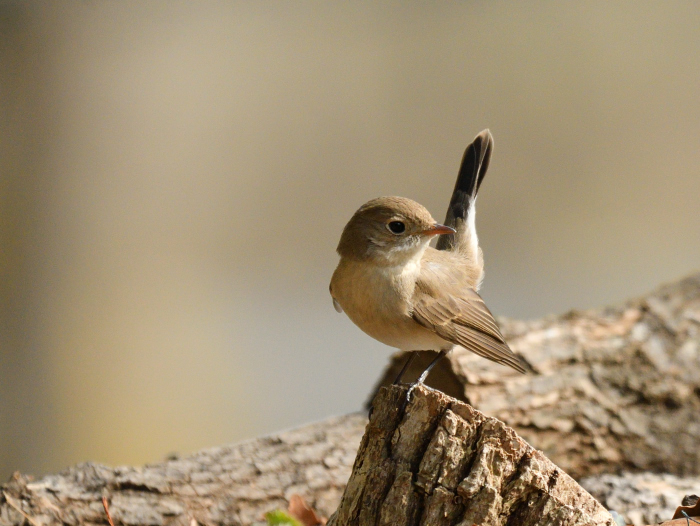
x=175 y=177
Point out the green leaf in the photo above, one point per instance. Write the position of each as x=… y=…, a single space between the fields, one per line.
x=281 y=518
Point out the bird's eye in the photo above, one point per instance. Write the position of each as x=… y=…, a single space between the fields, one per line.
x=396 y=227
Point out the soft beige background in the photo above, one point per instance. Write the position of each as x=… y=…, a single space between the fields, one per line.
x=175 y=177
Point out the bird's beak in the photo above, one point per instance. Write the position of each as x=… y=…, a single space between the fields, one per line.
x=438 y=229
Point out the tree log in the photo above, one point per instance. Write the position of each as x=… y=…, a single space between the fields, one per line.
x=609 y=389
x=232 y=485
x=626 y=374
x=236 y=485
x=438 y=461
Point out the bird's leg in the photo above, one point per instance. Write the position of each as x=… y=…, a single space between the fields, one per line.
x=411 y=356
x=425 y=374
x=432 y=364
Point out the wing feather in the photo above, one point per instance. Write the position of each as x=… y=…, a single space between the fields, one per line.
x=461 y=317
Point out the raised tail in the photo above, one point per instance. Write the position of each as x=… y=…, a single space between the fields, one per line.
x=461 y=213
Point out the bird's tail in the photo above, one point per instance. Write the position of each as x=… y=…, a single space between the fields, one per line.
x=461 y=212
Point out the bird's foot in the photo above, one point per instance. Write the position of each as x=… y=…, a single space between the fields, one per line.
x=415 y=384
x=410 y=390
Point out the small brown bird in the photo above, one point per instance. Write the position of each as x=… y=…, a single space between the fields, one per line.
x=408 y=295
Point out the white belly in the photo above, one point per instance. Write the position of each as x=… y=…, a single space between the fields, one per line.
x=378 y=302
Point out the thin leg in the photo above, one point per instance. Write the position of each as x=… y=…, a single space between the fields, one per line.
x=411 y=356
x=688 y=518
x=405 y=367
x=432 y=364
x=425 y=373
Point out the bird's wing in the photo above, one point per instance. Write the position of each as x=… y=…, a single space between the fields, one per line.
x=459 y=315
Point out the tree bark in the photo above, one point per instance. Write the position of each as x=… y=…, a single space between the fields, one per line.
x=609 y=389
x=236 y=485
x=437 y=461
x=232 y=485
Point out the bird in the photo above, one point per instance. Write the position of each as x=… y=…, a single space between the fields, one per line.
x=406 y=294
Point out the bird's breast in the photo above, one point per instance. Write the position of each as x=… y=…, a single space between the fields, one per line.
x=378 y=301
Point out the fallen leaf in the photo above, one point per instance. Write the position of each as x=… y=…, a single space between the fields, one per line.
x=692 y=511
x=299 y=509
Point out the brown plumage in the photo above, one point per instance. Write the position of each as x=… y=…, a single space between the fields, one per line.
x=408 y=295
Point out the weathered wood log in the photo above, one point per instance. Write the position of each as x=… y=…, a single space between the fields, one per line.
x=238 y=484
x=437 y=461
x=232 y=485
x=626 y=373
x=610 y=389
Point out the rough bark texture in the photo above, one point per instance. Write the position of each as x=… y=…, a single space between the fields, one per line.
x=237 y=484
x=610 y=389
x=227 y=485
x=437 y=461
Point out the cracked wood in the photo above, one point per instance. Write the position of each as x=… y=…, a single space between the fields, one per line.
x=437 y=461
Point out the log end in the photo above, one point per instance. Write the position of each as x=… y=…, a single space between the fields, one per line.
x=436 y=460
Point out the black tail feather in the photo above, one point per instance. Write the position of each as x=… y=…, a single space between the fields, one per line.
x=475 y=163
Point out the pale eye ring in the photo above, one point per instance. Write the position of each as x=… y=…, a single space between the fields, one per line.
x=396 y=227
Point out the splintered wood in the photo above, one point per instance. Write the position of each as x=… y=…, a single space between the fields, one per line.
x=437 y=461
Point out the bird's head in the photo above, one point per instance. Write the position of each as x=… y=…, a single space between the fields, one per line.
x=389 y=231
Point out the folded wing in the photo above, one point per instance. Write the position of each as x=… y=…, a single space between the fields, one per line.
x=464 y=319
